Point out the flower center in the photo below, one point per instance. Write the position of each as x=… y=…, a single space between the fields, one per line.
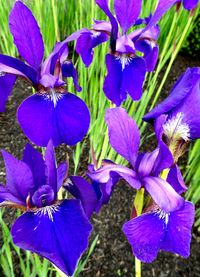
x=47 y=211
x=42 y=197
x=175 y=129
x=124 y=60
x=54 y=96
x=163 y=215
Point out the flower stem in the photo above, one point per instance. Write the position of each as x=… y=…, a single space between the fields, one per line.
x=138 y=205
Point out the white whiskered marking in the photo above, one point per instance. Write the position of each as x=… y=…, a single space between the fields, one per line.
x=163 y=215
x=48 y=210
x=95 y=34
x=176 y=129
x=124 y=59
x=2 y=73
x=53 y=96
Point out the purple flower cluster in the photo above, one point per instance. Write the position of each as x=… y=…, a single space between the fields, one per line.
x=59 y=229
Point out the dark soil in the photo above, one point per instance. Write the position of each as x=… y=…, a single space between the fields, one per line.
x=112 y=255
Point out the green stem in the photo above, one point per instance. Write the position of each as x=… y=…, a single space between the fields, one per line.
x=177 y=49
x=55 y=20
x=138 y=205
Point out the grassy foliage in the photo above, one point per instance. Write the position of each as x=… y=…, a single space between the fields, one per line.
x=58 y=19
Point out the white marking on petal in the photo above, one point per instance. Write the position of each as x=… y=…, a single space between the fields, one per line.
x=124 y=59
x=175 y=129
x=95 y=34
x=54 y=96
x=48 y=210
x=2 y=73
x=163 y=215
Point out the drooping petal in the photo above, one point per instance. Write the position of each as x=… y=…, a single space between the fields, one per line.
x=144 y=233
x=163 y=194
x=127 y=11
x=59 y=233
x=135 y=71
x=190 y=4
x=180 y=90
x=68 y=70
x=6 y=84
x=124 y=135
x=104 y=174
x=175 y=179
x=14 y=66
x=26 y=34
x=19 y=178
x=86 y=42
x=35 y=162
x=120 y=71
x=84 y=191
x=178 y=236
x=113 y=81
x=64 y=118
x=50 y=163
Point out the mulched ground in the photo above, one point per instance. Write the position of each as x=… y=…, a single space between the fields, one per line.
x=112 y=256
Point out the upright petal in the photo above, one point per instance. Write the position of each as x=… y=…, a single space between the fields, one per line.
x=26 y=34
x=124 y=135
x=163 y=194
x=51 y=170
x=162 y=7
x=35 y=161
x=62 y=172
x=127 y=11
x=6 y=84
x=144 y=233
x=68 y=70
x=84 y=191
x=64 y=118
x=59 y=233
x=19 y=178
x=178 y=236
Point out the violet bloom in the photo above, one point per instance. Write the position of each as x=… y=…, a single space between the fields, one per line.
x=55 y=229
x=177 y=118
x=168 y=204
x=51 y=113
x=126 y=69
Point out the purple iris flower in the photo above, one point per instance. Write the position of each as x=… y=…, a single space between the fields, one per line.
x=155 y=228
x=123 y=62
x=177 y=118
x=55 y=229
x=51 y=113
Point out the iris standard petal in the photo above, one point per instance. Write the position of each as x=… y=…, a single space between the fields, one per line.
x=14 y=66
x=84 y=191
x=35 y=161
x=175 y=179
x=144 y=233
x=124 y=135
x=19 y=178
x=178 y=237
x=6 y=195
x=26 y=34
x=50 y=163
x=62 y=172
x=145 y=163
x=163 y=194
x=64 y=118
x=59 y=233
x=127 y=11
x=6 y=84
